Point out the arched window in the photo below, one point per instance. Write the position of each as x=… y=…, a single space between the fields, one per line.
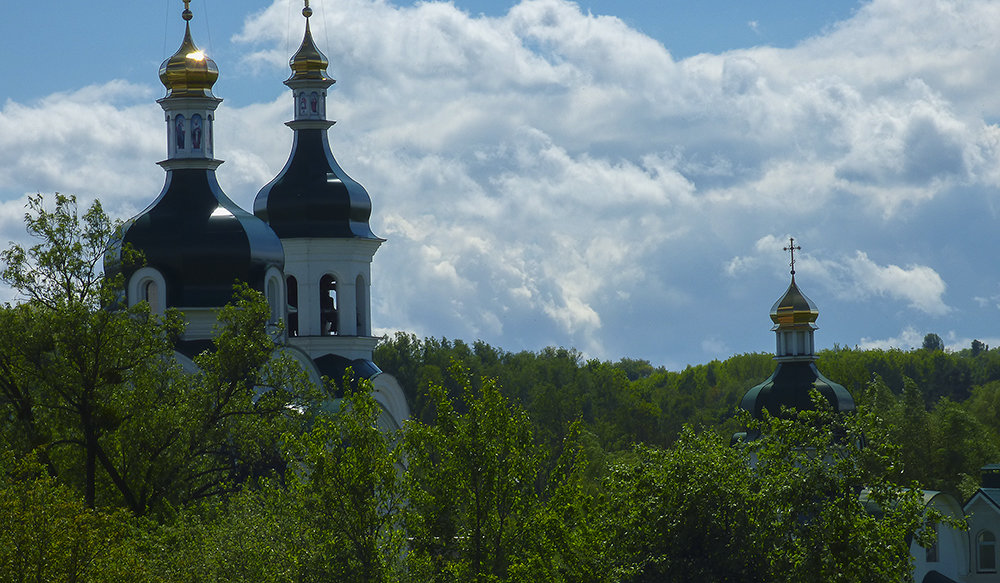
x=147 y=285
x=273 y=299
x=359 y=306
x=151 y=295
x=208 y=135
x=328 y=323
x=292 y=297
x=931 y=552
x=986 y=552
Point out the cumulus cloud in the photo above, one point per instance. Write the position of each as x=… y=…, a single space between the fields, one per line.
x=553 y=176
x=907 y=339
x=855 y=277
x=919 y=285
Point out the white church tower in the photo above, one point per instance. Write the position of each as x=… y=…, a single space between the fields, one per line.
x=321 y=216
x=196 y=242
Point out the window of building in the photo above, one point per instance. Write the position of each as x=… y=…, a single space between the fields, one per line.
x=273 y=299
x=932 y=551
x=292 y=297
x=328 y=322
x=986 y=551
x=147 y=285
x=151 y=295
x=359 y=305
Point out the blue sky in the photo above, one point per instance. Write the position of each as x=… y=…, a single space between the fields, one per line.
x=617 y=177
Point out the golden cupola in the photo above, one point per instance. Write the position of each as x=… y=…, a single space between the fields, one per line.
x=189 y=72
x=794 y=309
x=791 y=385
x=794 y=316
x=309 y=63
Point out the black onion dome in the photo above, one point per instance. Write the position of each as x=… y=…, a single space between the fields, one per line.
x=200 y=241
x=312 y=196
x=789 y=386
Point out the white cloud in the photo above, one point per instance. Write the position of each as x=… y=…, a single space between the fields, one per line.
x=908 y=339
x=855 y=278
x=553 y=176
x=919 y=285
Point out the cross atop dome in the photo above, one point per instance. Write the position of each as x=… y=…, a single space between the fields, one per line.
x=792 y=248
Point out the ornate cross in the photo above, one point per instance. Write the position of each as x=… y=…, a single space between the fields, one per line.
x=792 y=248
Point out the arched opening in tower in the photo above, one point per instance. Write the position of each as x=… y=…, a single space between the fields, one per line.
x=328 y=324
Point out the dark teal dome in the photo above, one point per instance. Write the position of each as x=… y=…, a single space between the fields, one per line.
x=200 y=241
x=312 y=196
x=789 y=387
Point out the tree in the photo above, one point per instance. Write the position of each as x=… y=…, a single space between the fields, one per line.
x=350 y=486
x=689 y=513
x=933 y=342
x=46 y=533
x=834 y=510
x=804 y=502
x=93 y=388
x=481 y=507
x=62 y=374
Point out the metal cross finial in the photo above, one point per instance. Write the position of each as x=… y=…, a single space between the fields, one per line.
x=307 y=12
x=187 y=10
x=792 y=247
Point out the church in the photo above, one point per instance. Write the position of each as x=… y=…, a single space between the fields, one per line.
x=960 y=555
x=307 y=246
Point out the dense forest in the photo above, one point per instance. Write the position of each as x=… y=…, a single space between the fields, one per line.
x=118 y=465
x=944 y=406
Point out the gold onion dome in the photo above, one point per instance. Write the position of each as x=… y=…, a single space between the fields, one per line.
x=189 y=72
x=794 y=309
x=308 y=63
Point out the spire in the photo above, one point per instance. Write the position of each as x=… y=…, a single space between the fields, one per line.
x=309 y=63
x=794 y=311
x=188 y=72
x=794 y=316
x=312 y=196
x=195 y=241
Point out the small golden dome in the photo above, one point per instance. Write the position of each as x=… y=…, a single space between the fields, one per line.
x=189 y=72
x=308 y=63
x=794 y=309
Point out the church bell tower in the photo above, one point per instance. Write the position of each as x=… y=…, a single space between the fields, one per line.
x=321 y=216
x=195 y=241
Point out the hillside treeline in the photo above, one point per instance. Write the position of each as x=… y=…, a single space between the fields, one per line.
x=945 y=406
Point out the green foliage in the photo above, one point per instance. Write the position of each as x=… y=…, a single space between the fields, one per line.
x=933 y=342
x=64 y=267
x=481 y=506
x=46 y=534
x=804 y=502
x=684 y=514
x=98 y=395
x=350 y=487
x=835 y=510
